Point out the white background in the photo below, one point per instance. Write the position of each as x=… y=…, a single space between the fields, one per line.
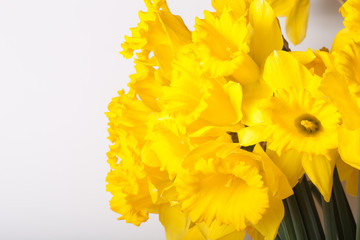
x=59 y=69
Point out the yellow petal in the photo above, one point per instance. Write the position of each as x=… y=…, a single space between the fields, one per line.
x=349 y=142
x=222 y=45
x=175 y=222
x=282 y=8
x=343 y=38
x=283 y=71
x=269 y=224
x=253 y=95
x=267 y=35
x=165 y=145
x=217 y=231
x=348 y=62
x=237 y=7
x=317 y=61
x=222 y=183
x=236 y=235
x=224 y=104
x=254 y=233
x=320 y=171
x=304 y=57
x=274 y=178
x=252 y=135
x=146 y=84
x=194 y=234
x=336 y=87
x=157 y=27
x=290 y=163
x=348 y=174
x=296 y=22
x=246 y=70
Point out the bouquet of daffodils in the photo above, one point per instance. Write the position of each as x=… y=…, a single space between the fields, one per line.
x=225 y=131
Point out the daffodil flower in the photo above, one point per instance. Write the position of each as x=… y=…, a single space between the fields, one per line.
x=300 y=124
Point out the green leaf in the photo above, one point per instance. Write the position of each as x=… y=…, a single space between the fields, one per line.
x=286 y=229
x=296 y=218
x=329 y=219
x=308 y=210
x=346 y=219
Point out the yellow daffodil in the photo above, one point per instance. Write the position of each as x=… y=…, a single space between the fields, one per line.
x=127 y=126
x=222 y=45
x=136 y=187
x=158 y=37
x=159 y=31
x=213 y=100
x=223 y=183
x=136 y=190
x=298 y=120
x=166 y=144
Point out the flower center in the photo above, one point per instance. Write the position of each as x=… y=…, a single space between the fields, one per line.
x=308 y=124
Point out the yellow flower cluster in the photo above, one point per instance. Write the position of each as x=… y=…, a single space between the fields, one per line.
x=219 y=124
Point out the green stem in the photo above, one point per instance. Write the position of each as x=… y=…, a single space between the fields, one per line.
x=329 y=219
x=281 y=232
x=345 y=217
x=296 y=218
x=308 y=210
x=358 y=211
x=337 y=219
x=286 y=229
x=315 y=192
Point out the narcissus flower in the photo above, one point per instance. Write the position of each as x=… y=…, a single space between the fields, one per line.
x=232 y=186
x=213 y=100
x=159 y=31
x=136 y=187
x=297 y=118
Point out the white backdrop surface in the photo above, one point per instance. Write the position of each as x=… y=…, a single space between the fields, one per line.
x=59 y=69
